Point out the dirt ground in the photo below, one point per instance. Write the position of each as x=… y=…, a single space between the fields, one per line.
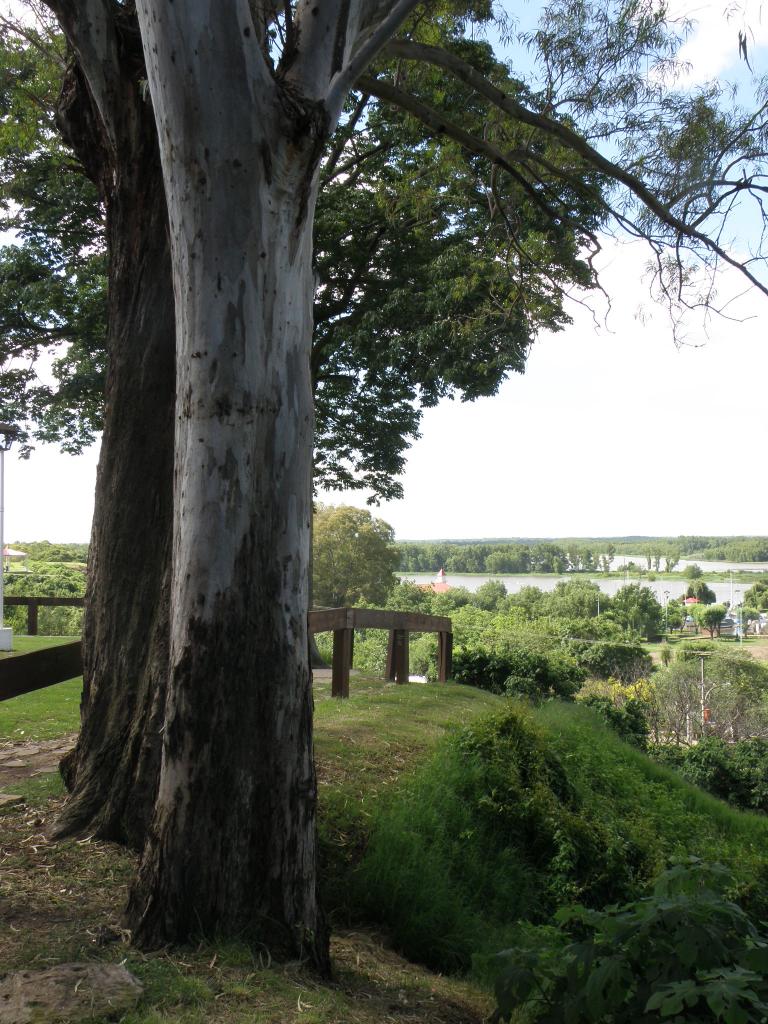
x=20 y=761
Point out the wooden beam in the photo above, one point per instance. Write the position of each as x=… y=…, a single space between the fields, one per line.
x=389 y=669
x=24 y=673
x=376 y=618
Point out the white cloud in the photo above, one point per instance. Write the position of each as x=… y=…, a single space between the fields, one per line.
x=713 y=47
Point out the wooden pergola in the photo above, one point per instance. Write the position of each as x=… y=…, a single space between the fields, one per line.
x=27 y=672
x=344 y=621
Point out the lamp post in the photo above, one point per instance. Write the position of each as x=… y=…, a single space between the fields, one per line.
x=8 y=434
x=666 y=613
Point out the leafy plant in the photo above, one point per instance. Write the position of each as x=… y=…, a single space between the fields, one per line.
x=628 y=720
x=685 y=953
x=735 y=772
x=518 y=671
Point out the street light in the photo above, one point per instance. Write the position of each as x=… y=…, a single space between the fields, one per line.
x=8 y=434
x=666 y=612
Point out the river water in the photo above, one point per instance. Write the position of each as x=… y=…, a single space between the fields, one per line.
x=672 y=588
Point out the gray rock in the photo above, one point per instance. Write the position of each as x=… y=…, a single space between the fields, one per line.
x=69 y=992
x=10 y=800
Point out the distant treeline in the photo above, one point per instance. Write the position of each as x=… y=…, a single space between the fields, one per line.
x=574 y=555
x=722 y=549
x=501 y=558
x=45 y=551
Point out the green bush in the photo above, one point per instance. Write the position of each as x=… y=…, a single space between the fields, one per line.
x=686 y=954
x=629 y=720
x=518 y=671
x=735 y=772
x=623 y=659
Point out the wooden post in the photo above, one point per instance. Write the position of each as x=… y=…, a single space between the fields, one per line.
x=400 y=644
x=342 y=662
x=389 y=671
x=444 y=657
x=32 y=617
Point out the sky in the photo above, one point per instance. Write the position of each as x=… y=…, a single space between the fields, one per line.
x=613 y=430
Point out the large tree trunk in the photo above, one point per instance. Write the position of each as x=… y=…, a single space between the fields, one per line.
x=232 y=848
x=113 y=772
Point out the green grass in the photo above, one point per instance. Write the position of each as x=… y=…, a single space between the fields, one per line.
x=44 y=714
x=27 y=644
x=57 y=897
x=38 y=790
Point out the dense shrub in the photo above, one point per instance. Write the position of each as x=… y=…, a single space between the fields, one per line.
x=685 y=953
x=518 y=671
x=606 y=659
x=525 y=811
x=629 y=720
x=735 y=772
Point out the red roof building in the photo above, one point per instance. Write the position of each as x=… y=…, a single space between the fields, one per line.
x=438 y=584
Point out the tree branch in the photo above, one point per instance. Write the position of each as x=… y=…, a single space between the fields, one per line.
x=91 y=31
x=439 y=124
x=565 y=135
x=362 y=54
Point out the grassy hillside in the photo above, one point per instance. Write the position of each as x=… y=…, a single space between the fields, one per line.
x=445 y=814
x=524 y=812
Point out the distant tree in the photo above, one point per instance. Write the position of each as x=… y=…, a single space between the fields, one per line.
x=576 y=599
x=757 y=596
x=490 y=595
x=710 y=616
x=354 y=557
x=406 y=596
x=509 y=558
x=530 y=600
x=693 y=572
x=671 y=559
x=636 y=608
x=447 y=603
x=699 y=589
x=546 y=557
x=675 y=614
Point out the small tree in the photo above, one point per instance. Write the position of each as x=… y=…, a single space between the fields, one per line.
x=354 y=557
x=700 y=590
x=490 y=596
x=757 y=596
x=636 y=608
x=710 y=616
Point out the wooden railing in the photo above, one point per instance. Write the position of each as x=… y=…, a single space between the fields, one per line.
x=33 y=603
x=24 y=673
x=344 y=622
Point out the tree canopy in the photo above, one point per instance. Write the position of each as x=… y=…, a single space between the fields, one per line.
x=420 y=293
